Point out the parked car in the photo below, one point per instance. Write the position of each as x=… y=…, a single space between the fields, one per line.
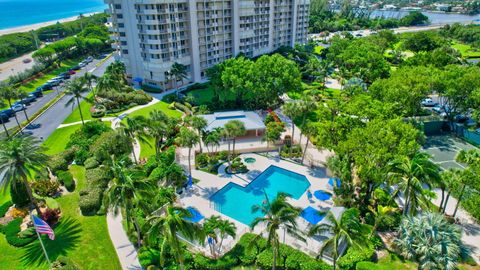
x=26 y=60
x=64 y=75
x=71 y=71
x=29 y=99
x=77 y=67
x=428 y=102
x=37 y=93
x=18 y=107
x=438 y=108
x=47 y=86
x=82 y=64
x=3 y=118
x=88 y=59
x=8 y=112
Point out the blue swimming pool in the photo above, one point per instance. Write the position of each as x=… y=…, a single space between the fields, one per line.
x=236 y=201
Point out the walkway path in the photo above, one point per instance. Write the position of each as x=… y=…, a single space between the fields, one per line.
x=126 y=252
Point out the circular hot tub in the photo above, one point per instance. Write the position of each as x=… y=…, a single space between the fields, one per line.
x=249 y=160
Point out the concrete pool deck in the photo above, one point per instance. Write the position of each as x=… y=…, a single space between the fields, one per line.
x=209 y=184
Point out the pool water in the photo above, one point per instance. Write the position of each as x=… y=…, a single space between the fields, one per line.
x=250 y=160
x=236 y=201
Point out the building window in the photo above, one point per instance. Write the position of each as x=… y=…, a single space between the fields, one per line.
x=124 y=51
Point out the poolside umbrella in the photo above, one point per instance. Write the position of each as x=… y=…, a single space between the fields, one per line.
x=334 y=182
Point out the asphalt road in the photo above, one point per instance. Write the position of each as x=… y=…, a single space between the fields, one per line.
x=47 y=97
x=54 y=116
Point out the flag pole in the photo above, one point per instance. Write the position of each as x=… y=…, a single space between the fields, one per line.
x=41 y=243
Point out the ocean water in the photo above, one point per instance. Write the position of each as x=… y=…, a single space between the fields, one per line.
x=14 y=13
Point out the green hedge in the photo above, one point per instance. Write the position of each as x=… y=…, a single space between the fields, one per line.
x=91 y=163
x=12 y=230
x=353 y=256
x=367 y=266
x=90 y=200
x=66 y=178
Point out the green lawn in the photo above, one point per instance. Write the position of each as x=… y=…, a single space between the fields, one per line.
x=147 y=149
x=75 y=115
x=58 y=140
x=84 y=239
x=318 y=49
x=466 y=50
x=204 y=96
x=161 y=106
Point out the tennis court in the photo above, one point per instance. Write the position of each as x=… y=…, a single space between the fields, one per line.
x=444 y=149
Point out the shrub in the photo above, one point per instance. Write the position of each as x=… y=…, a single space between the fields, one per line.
x=12 y=230
x=4 y=208
x=51 y=216
x=265 y=259
x=148 y=256
x=169 y=98
x=90 y=201
x=201 y=160
x=222 y=155
x=60 y=161
x=151 y=164
x=355 y=255
x=110 y=143
x=225 y=262
x=45 y=188
x=66 y=178
x=19 y=195
x=64 y=263
x=91 y=163
x=98 y=177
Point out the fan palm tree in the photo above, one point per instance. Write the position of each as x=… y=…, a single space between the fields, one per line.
x=157 y=128
x=169 y=222
x=178 y=72
x=213 y=138
x=76 y=88
x=338 y=229
x=431 y=240
x=451 y=179
x=20 y=157
x=7 y=93
x=234 y=129
x=411 y=175
x=215 y=228
x=107 y=83
x=199 y=124
x=305 y=106
x=126 y=191
x=277 y=213
x=89 y=79
x=134 y=128
x=187 y=138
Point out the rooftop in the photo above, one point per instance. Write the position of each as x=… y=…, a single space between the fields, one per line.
x=250 y=119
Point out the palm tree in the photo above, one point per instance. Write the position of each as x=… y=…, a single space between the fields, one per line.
x=7 y=93
x=134 y=128
x=199 y=124
x=339 y=229
x=20 y=158
x=234 y=129
x=107 y=83
x=213 y=138
x=305 y=106
x=88 y=79
x=431 y=240
x=292 y=110
x=215 y=228
x=310 y=131
x=451 y=179
x=169 y=221
x=380 y=214
x=178 y=72
x=411 y=174
x=187 y=138
x=21 y=95
x=126 y=191
x=277 y=213
x=76 y=88
x=157 y=128
x=2 y=104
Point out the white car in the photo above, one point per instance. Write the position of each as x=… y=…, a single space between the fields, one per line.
x=428 y=102
x=18 y=107
x=82 y=64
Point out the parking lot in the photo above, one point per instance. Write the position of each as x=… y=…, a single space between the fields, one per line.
x=444 y=149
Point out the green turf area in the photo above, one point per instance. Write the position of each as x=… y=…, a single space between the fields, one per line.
x=84 y=239
x=58 y=140
x=204 y=96
x=161 y=106
x=75 y=115
x=466 y=50
x=147 y=149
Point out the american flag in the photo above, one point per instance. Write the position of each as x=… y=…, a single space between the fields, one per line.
x=43 y=228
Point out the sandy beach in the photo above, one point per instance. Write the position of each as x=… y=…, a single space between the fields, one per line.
x=36 y=26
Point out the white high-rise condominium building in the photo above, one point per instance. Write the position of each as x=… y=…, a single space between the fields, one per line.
x=151 y=35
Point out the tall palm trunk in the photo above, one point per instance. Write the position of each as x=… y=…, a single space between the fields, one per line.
x=440 y=208
x=444 y=208
x=233 y=147
x=459 y=200
x=305 y=150
x=407 y=198
x=293 y=138
x=133 y=151
x=80 y=110
x=137 y=228
x=15 y=115
x=229 y=155
x=189 y=162
x=274 y=258
x=5 y=128
x=30 y=196
x=26 y=116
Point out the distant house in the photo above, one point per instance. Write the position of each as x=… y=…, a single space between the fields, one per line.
x=252 y=121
